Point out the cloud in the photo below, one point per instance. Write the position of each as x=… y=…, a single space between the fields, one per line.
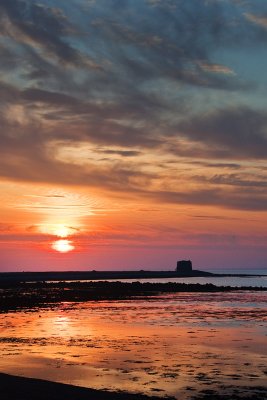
x=149 y=80
x=237 y=180
x=258 y=20
x=8 y=59
x=123 y=153
x=45 y=196
x=216 y=68
x=27 y=23
x=219 y=165
x=239 y=132
x=253 y=201
x=120 y=45
x=238 y=183
x=215 y=217
x=29 y=153
x=173 y=54
x=6 y=228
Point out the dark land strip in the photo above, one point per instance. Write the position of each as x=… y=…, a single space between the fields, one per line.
x=16 y=295
x=105 y=275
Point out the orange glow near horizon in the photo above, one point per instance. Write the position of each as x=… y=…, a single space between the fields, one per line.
x=58 y=230
x=73 y=227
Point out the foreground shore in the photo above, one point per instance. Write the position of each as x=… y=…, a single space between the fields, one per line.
x=19 y=388
x=193 y=346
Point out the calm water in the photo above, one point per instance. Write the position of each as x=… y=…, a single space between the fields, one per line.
x=258 y=281
x=254 y=281
x=178 y=344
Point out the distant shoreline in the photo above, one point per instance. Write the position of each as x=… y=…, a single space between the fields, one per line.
x=10 y=277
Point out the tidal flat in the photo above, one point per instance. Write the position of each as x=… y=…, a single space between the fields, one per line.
x=187 y=344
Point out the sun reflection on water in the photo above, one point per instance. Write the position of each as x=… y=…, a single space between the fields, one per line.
x=172 y=344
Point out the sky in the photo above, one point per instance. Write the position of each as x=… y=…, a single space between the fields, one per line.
x=133 y=133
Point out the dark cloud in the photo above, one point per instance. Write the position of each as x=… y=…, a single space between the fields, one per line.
x=253 y=200
x=170 y=44
x=9 y=94
x=7 y=57
x=89 y=120
x=51 y=98
x=239 y=132
x=237 y=180
x=219 y=165
x=34 y=23
x=123 y=153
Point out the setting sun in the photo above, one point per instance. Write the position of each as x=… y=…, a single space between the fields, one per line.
x=62 y=231
x=58 y=230
x=63 y=246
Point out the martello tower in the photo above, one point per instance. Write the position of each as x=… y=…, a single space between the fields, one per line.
x=184 y=267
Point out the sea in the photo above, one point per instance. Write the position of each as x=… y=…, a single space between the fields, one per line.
x=242 y=278
x=187 y=345
x=251 y=278
x=225 y=281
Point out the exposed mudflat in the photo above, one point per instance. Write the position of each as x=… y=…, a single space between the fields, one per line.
x=198 y=345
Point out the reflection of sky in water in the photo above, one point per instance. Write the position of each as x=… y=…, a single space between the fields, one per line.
x=178 y=343
x=233 y=281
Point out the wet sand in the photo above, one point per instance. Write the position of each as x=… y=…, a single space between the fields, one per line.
x=204 y=344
